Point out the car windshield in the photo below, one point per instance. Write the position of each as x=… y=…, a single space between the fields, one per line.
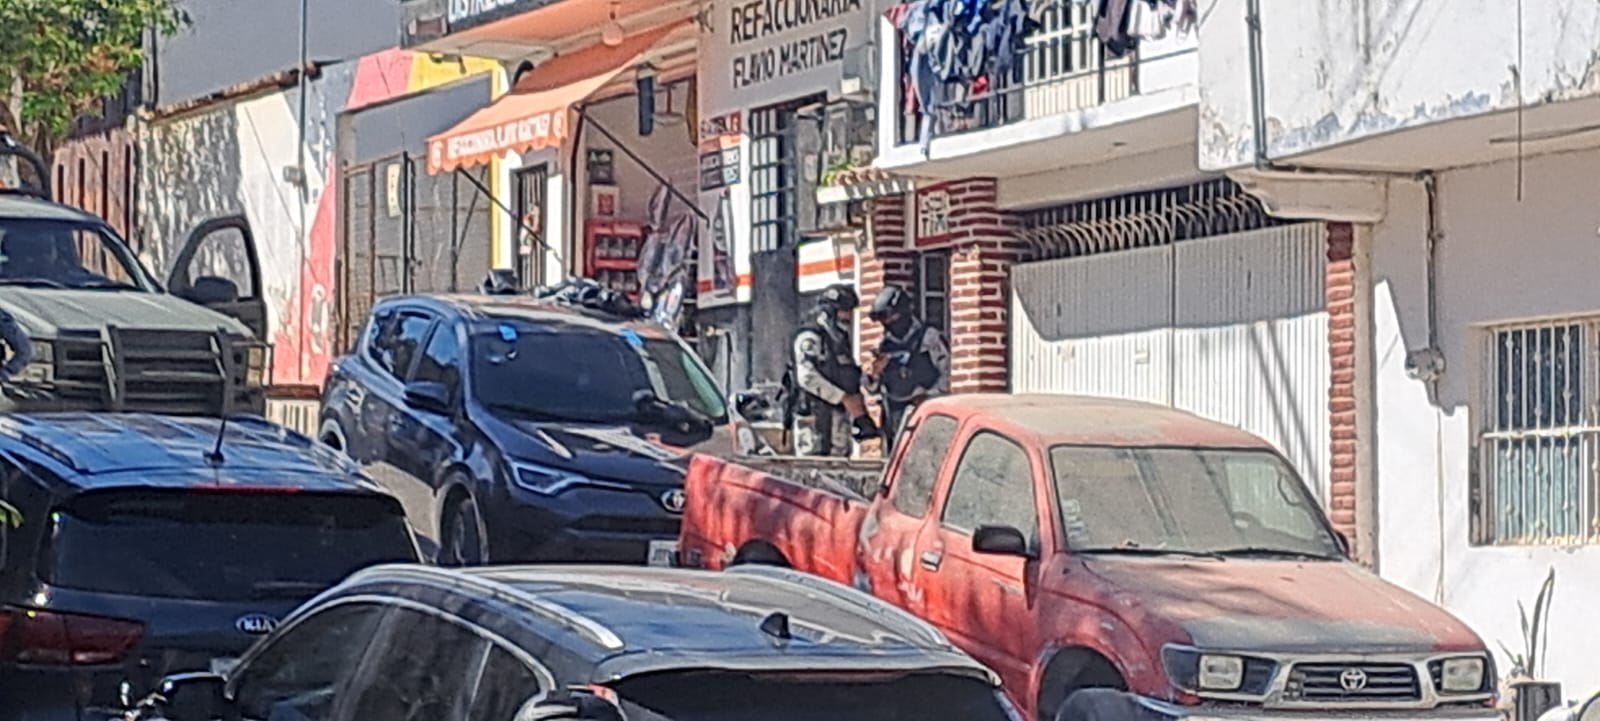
x=220 y=546
x=580 y=372
x=62 y=254
x=1186 y=501
x=726 y=696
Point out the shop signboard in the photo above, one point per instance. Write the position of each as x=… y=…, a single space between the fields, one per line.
x=762 y=49
x=720 y=143
x=932 y=219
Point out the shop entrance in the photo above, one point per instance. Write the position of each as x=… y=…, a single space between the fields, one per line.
x=532 y=209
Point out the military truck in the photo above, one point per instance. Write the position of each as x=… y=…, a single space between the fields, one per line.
x=86 y=326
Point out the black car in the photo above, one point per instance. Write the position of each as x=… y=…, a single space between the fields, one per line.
x=642 y=644
x=136 y=545
x=516 y=428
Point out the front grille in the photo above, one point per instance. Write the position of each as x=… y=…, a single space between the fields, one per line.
x=177 y=372
x=170 y=371
x=632 y=525
x=1354 y=682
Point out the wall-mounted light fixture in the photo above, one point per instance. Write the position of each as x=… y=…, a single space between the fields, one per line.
x=613 y=34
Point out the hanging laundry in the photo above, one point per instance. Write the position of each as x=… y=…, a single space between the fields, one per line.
x=1111 y=27
x=1148 y=20
x=1188 y=17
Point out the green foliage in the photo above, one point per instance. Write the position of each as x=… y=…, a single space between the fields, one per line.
x=71 y=53
x=1535 y=633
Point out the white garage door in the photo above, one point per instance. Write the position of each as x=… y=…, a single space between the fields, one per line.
x=1231 y=328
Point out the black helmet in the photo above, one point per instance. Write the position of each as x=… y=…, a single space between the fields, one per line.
x=838 y=297
x=893 y=301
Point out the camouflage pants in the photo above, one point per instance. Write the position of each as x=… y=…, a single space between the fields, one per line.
x=822 y=434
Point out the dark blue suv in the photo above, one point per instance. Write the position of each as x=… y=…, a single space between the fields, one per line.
x=136 y=545
x=593 y=644
x=516 y=428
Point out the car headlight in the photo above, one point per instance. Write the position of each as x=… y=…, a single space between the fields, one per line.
x=1461 y=675
x=1197 y=672
x=540 y=479
x=1220 y=673
x=42 y=367
x=257 y=360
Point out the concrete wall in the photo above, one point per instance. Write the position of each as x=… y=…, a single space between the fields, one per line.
x=1342 y=70
x=228 y=42
x=231 y=158
x=1500 y=260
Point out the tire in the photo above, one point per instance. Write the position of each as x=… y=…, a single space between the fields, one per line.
x=462 y=541
x=1104 y=704
x=759 y=554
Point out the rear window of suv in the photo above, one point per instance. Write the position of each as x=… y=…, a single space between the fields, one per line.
x=220 y=546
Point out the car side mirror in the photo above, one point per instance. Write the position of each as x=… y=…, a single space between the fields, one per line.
x=1000 y=541
x=429 y=397
x=213 y=290
x=192 y=697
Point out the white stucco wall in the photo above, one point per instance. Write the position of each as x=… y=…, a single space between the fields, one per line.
x=1340 y=70
x=1500 y=260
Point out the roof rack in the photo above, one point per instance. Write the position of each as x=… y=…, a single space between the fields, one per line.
x=10 y=147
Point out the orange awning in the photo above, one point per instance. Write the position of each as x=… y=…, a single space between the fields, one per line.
x=534 y=114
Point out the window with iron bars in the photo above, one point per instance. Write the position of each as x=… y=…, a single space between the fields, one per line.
x=774 y=175
x=931 y=285
x=1538 y=481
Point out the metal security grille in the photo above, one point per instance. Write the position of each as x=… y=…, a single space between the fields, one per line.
x=408 y=232
x=531 y=210
x=1143 y=220
x=1539 y=482
x=774 y=176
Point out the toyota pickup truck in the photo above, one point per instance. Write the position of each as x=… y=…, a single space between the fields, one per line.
x=1111 y=560
x=86 y=326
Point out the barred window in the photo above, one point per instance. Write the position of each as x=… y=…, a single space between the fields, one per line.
x=1538 y=482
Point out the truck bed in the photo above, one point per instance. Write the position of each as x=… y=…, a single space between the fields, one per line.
x=855 y=480
x=808 y=510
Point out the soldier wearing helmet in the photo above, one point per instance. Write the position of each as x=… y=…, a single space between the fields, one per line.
x=912 y=361
x=823 y=404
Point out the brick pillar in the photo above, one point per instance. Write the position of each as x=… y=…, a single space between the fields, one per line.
x=884 y=259
x=1342 y=348
x=985 y=247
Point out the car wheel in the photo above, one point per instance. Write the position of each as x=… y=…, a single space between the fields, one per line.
x=462 y=541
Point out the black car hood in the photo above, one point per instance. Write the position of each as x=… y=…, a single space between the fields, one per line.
x=619 y=452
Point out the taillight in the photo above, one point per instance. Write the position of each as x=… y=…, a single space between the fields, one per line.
x=44 y=638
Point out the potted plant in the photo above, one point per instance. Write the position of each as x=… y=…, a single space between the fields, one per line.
x=1530 y=695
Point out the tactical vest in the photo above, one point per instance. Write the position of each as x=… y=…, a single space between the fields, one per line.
x=835 y=362
x=899 y=382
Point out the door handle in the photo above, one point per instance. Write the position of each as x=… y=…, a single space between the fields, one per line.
x=931 y=560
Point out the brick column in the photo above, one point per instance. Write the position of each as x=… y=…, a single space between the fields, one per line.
x=1342 y=349
x=884 y=259
x=985 y=247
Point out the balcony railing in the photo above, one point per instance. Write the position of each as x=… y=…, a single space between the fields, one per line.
x=1064 y=68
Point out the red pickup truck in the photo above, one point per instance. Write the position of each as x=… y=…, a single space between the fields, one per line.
x=1111 y=560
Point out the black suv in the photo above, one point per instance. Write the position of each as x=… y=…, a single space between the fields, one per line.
x=516 y=428
x=642 y=644
x=136 y=545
